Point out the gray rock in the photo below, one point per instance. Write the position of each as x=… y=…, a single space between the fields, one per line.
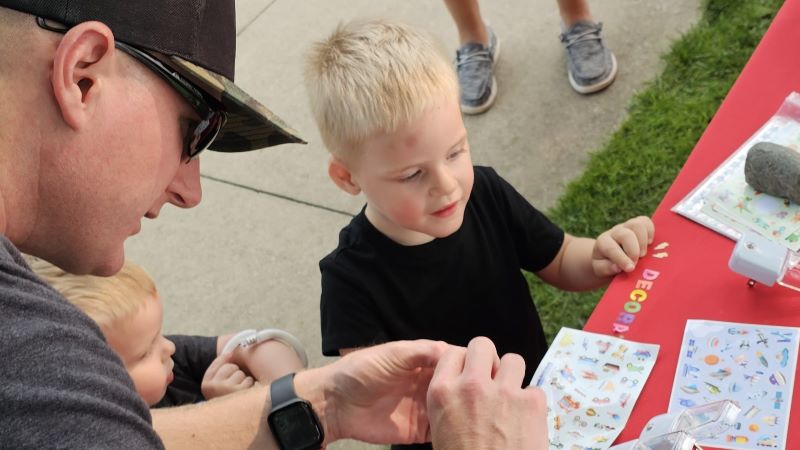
x=773 y=169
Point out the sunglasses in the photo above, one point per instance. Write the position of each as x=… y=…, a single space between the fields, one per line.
x=203 y=134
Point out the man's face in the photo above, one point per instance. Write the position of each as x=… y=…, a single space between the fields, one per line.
x=418 y=179
x=127 y=162
x=145 y=352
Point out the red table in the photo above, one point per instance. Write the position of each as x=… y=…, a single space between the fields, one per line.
x=694 y=281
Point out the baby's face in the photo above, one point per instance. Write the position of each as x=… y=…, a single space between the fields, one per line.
x=418 y=179
x=146 y=353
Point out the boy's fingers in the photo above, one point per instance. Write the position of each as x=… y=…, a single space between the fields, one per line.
x=247 y=382
x=629 y=241
x=645 y=231
x=618 y=249
x=237 y=377
x=605 y=268
x=640 y=231
x=218 y=362
x=227 y=370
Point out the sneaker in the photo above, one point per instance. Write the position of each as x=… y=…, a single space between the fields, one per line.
x=590 y=64
x=475 y=67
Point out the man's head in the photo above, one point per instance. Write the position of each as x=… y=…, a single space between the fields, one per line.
x=106 y=102
x=385 y=99
x=127 y=308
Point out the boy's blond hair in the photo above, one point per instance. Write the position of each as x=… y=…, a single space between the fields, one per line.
x=374 y=76
x=105 y=299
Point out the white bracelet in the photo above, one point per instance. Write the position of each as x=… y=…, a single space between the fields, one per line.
x=250 y=337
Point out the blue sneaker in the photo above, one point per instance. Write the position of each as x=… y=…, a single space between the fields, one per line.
x=475 y=67
x=590 y=64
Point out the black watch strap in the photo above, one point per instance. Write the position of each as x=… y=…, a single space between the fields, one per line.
x=281 y=392
x=293 y=422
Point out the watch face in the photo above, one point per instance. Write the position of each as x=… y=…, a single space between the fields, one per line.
x=295 y=427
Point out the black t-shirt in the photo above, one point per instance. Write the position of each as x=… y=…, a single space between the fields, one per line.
x=61 y=385
x=464 y=285
x=193 y=355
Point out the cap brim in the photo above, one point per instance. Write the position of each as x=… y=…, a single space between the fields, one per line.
x=250 y=125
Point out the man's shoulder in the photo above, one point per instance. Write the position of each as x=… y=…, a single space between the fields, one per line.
x=55 y=357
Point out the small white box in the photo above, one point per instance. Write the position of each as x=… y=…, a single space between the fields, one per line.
x=758 y=258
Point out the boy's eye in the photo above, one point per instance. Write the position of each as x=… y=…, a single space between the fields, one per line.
x=412 y=176
x=455 y=154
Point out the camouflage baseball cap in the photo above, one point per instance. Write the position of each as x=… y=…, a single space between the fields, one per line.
x=197 y=39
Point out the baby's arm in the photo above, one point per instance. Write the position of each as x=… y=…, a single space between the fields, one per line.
x=269 y=360
x=584 y=263
x=240 y=369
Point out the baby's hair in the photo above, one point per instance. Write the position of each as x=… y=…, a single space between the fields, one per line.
x=374 y=76
x=105 y=299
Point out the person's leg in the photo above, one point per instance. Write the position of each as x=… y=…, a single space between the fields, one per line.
x=591 y=66
x=573 y=11
x=475 y=58
x=467 y=16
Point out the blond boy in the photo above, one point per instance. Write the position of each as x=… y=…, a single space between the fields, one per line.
x=128 y=310
x=437 y=250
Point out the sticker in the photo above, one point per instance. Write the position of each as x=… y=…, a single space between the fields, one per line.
x=762 y=359
x=770 y=420
x=690 y=389
x=633 y=368
x=713 y=389
x=721 y=374
x=777 y=379
x=783 y=357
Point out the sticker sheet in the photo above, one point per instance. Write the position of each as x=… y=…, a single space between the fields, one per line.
x=752 y=365
x=592 y=382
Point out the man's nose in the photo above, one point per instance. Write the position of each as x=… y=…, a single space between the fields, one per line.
x=184 y=191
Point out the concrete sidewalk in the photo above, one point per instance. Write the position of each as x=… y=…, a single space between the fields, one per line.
x=247 y=257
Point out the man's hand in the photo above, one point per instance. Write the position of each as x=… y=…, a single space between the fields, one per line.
x=475 y=402
x=224 y=377
x=620 y=248
x=377 y=394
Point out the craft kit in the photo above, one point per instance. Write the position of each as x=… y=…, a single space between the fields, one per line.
x=728 y=205
x=592 y=382
x=751 y=365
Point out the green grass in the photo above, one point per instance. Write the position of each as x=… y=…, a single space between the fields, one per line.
x=631 y=173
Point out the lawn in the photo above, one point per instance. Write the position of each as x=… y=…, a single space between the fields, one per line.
x=632 y=172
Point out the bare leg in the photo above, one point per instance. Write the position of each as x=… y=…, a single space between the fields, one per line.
x=573 y=11
x=467 y=16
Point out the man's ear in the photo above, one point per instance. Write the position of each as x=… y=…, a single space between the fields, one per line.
x=81 y=60
x=342 y=176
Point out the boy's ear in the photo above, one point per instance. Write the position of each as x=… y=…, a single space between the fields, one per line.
x=83 y=57
x=342 y=176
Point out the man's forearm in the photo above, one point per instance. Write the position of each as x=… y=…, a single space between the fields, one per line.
x=233 y=421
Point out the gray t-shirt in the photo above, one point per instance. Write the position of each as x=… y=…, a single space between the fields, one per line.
x=61 y=385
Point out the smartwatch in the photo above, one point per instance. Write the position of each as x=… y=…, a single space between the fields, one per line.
x=293 y=422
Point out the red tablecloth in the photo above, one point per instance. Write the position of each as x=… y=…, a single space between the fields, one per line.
x=694 y=281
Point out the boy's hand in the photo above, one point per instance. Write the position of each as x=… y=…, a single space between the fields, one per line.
x=620 y=248
x=224 y=377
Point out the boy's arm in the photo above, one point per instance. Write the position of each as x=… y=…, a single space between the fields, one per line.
x=583 y=263
x=266 y=361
